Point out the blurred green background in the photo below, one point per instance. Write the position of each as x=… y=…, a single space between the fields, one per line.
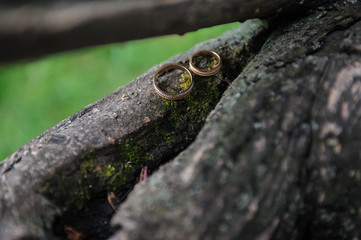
x=35 y=95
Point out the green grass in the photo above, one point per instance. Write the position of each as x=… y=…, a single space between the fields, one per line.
x=35 y=95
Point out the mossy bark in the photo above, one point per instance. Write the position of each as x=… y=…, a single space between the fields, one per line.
x=279 y=157
x=104 y=147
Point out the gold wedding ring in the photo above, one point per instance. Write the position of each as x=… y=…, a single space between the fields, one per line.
x=166 y=95
x=201 y=72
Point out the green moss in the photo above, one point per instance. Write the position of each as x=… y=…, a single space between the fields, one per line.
x=184 y=118
x=79 y=194
x=131 y=151
x=87 y=167
x=108 y=171
x=203 y=98
x=185 y=82
x=170 y=103
x=95 y=174
x=169 y=137
x=212 y=63
x=69 y=191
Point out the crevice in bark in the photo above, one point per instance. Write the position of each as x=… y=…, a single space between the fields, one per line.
x=249 y=180
x=254 y=171
x=68 y=170
x=158 y=143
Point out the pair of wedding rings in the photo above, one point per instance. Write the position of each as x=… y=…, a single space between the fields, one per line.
x=201 y=72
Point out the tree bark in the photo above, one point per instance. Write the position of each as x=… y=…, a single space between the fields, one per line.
x=278 y=157
x=33 y=29
x=68 y=170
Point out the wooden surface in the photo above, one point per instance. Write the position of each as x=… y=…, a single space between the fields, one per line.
x=277 y=158
x=33 y=28
x=71 y=164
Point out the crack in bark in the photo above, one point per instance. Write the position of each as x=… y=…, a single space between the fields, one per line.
x=295 y=88
x=276 y=178
x=78 y=185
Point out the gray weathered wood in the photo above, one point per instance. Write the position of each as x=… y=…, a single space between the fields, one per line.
x=69 y=169
x=279 y=157
x=31 y=29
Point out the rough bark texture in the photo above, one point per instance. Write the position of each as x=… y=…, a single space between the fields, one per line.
x=279 y=157
x=31 y=29
x=68 y=170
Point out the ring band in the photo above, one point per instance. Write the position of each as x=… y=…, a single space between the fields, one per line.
x=168 y=96
x=209 y=72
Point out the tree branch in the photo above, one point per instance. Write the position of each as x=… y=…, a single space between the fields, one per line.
x=43 y=27
x=279 y=156
x=102 y=148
